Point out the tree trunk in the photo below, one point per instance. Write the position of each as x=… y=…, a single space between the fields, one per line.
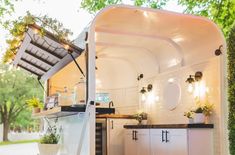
x=5 y=129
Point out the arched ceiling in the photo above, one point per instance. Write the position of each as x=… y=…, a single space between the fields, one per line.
x=154 y=40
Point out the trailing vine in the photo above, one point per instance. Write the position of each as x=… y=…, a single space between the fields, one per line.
x=231 y=89
x=17 y=29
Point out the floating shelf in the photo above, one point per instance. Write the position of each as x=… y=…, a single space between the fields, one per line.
x=68 y=111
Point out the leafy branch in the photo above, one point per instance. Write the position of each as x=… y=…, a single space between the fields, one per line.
x=17 y=29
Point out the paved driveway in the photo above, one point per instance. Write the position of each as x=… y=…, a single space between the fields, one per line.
x=19 y=149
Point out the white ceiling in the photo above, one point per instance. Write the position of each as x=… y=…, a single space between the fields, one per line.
x=154 y=41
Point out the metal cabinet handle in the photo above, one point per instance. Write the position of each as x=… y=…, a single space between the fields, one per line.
x=133 y=135
x=136 y=135
x=112 y=124
x=163 y=132
x=167 y=136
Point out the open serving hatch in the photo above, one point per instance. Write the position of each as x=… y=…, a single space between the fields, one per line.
x=44 y=56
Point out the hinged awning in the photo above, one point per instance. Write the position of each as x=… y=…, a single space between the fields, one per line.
x=44 y=56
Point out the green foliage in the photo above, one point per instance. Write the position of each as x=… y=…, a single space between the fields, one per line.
x=199 y=110
x=221 y=12
x=189 y=114
x=151 y=3
x=34 y=102
x=139 y=116
x=94 y=6
x=231 y=89
x=6 y=7
x=16 y=87
x=24 y=122
x=18 y=142
x=17 y=29
x=51 y=137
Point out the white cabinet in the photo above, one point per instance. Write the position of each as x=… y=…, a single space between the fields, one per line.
x=137 y=142
x=115 y=135
x=196 y=141
x=169 y=142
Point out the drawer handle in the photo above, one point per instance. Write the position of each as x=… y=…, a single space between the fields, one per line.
x=163 y=132
x=133 y=135
x=167 y=136
x=112 y=124
x=136 y=135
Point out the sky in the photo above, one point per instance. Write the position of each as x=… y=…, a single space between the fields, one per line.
x=66 y=11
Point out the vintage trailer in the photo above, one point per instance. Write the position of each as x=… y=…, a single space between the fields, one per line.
x=138 y=58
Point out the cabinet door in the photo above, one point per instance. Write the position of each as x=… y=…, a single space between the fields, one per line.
x=130 y=145
x=143 y=141
x=116 y=136
x=158 y=142
x=177 y=142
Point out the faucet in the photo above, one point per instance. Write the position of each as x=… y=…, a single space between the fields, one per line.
x=111 y=104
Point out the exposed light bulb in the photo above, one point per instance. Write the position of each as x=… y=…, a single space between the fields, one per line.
x=190 y=88
x=171 y=80
x=200 y=89
x=151 y=97
x=36 y=31
x=66 y=47
x=143 y=97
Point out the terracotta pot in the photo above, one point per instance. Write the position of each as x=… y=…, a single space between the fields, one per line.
x=36 y=110
x=48 y=149
x=199 y=118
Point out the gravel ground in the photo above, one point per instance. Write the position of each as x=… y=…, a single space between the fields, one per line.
x=19 y=149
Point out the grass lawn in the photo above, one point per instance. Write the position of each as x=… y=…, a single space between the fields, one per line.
x=19 y=142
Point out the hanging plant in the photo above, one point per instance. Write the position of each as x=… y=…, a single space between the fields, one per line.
x=17 y=29
x=231 y=89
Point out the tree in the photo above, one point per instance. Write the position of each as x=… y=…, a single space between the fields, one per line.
x=16 y=86
x=231 y=89
x=6 y=7
x=221 y=12
x=94 y=6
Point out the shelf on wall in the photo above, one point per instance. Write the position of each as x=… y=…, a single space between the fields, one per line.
x=68 y=111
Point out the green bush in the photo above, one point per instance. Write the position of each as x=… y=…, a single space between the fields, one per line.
x=231 y=89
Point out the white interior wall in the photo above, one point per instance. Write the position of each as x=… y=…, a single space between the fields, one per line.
x=118 y=77
x=127 y=101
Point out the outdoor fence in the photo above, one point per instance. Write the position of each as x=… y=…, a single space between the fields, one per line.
x=15 y=136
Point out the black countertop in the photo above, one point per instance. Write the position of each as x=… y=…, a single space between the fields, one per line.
x=173 y=126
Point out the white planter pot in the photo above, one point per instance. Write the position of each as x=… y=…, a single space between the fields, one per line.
x=190 y=121
x=48 y=149
x=144 y=122
x=199 y=118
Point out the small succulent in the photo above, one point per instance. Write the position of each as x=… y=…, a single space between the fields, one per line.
x=139 y=116
x=189 y=114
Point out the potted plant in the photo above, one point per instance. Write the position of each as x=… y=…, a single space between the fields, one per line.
x=35 y=104
x=207 y=111
x=140 y=116
x=199 y=116
x=48 y=144
x=189 y=115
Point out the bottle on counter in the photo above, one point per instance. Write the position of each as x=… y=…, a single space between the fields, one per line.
x=80 y=92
